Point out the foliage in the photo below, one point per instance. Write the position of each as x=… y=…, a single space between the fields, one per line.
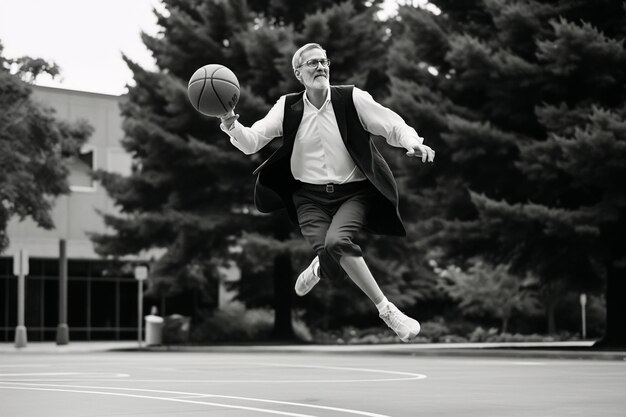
x=190 y=192
x=176 y=329
x=432 y=332
x=524 y=103
x=522 y=100
x=480 y=335
x=489 y=290
x=350 y=335
x=236 y=323
x=34 y=146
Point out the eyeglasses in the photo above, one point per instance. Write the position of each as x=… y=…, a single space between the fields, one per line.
x=313 y=63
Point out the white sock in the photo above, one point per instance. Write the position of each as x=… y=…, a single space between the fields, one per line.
x=382 y=305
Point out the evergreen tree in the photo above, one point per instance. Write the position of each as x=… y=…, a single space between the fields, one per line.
x=34 y=146
x=295 y=13
x=507 y=91
x=190 y=191
x=355 y=42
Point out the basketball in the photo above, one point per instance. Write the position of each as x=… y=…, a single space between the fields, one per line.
x=213 y=90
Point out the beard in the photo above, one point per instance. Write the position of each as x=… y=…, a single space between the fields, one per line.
x=320 y=82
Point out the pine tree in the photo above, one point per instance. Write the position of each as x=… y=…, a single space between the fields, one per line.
x=190 y=191
x=34 y=146
x=519 y=87
x=355 y=42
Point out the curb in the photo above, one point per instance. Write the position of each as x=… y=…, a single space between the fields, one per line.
x=556 y=350
x=504 y=350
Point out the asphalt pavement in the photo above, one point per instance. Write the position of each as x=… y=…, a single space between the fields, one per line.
x=119 y=379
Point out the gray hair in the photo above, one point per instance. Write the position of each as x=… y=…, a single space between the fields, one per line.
x=295 y=61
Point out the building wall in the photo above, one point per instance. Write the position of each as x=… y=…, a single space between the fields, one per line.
x=102 y=295
x=75 y=214
x=102 y=301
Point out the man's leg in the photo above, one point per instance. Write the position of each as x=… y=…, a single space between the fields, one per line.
x=348 y=220
x=357 y=270
x=346 y=223
x=314 y=222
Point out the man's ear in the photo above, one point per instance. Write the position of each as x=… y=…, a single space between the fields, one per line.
x=297 y=74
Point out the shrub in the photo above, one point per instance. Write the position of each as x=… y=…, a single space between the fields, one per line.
x=353 y=336
x=235 y=323
x=434 y=330
x=176 y=329
x=519 y=338
x=481 y=335
x=453 y=338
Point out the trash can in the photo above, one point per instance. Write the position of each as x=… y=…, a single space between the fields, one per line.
x=154 y=330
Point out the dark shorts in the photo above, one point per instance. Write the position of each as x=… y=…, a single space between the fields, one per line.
x=329 y=221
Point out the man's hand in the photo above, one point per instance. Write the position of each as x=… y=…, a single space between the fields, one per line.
x=423 y=151
x=228 y=119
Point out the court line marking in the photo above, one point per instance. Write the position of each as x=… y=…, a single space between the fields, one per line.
x=25 y=366
x=261 y=410
x=190 y=394
x=342 y=368
x=89 y=374
x=193 y=396
x=225 y=381
x=408 y=376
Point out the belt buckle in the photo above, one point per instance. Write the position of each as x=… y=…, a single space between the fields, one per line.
x=330 y=188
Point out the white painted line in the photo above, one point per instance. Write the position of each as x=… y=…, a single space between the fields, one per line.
x=407 y=376
x=24 y=366
x=399 y=376
x=260 y=410
x=179 y=398
x=219 y=381
x=343 y=410
x=342 y=368
x=86 y=374
x=528 y=363
x=41 y=374
x=194 y=396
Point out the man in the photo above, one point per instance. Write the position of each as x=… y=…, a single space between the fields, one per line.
x=330 y=176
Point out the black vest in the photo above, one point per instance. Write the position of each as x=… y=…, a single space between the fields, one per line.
x=275 y=183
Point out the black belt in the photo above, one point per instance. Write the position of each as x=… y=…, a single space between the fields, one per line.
x=331 y=188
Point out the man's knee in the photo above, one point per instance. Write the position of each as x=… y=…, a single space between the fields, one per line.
x=338 y=246
x=332 y=244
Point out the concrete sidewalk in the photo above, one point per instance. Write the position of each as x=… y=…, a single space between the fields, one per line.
x=72 y=347
x=556 y=350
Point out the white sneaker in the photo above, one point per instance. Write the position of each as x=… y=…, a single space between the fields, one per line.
x=405 y=327
x=308 y=278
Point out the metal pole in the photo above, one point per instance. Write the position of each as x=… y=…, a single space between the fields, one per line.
x=140 y=312
x=141 y=274
x=63 y=332
x=20 y=330
x=583 y=318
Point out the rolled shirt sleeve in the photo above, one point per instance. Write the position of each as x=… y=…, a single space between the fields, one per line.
x=250 y=140
x=379 y=120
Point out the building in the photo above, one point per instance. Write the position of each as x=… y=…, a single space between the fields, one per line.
x=102 y=296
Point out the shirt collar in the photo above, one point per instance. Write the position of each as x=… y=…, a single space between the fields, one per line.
x=306 y=99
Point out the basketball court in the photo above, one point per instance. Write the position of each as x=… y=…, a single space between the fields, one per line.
x=305 y=383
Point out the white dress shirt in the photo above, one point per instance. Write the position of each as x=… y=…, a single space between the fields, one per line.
x=319 y=155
